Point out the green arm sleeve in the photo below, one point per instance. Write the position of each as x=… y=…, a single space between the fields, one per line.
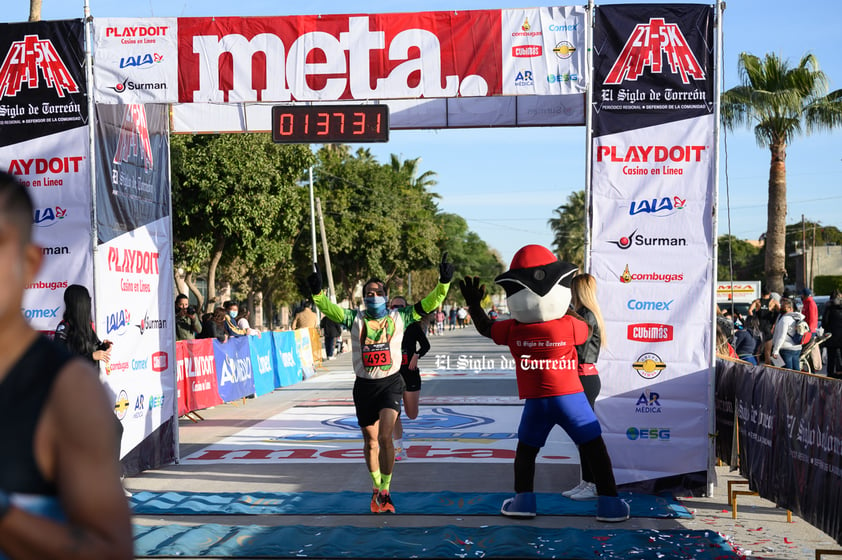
x=333 y=311
x=432 y=301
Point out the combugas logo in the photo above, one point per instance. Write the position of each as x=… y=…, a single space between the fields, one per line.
x=627 y=276
x=30 y=60
x=649 y=365
x=646 y=46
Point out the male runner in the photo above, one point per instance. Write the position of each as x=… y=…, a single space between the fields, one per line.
x=60 y=491
x=376 y=336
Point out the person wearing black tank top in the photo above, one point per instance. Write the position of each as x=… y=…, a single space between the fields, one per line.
x=60 y=492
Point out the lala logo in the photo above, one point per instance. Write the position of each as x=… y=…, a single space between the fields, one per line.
x=46 y=217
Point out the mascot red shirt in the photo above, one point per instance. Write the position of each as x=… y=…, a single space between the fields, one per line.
x=545 y=354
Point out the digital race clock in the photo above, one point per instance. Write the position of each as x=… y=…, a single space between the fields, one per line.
x=323 y=124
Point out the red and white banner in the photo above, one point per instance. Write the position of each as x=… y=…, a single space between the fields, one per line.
x=197 y=385
x=652 y=194
x=445 y=67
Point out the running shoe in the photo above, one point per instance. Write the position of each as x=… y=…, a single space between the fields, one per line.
x=400 y=454
x=575 y=490
x=384 y=500
x=375 y=505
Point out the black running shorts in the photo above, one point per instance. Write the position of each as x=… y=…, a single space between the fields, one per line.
x=412 y=379
x=373 y=395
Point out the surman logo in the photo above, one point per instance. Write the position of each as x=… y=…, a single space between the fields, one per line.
x=646 y=46
x=29 y=59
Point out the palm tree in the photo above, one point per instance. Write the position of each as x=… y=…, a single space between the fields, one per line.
x=569 y=229
x=409 y=169
x=34 y=10
x=781 y=103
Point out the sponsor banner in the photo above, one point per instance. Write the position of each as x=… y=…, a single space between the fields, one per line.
x=652 y=234
x=425 y=55
x=304 y=347
x=42 y=80
x=330 y=434
x=653 y=63
x=55 y=168
x=233 y=368
x=790 y=452
x=133 y=181
x=287 y=359
x=136 y=60
x=197 y=388
x=745 y=291
x=543 y=51
x=136 y=313
x=262 y=352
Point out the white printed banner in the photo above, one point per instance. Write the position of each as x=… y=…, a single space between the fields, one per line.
x=652 y=200
x=134 y=273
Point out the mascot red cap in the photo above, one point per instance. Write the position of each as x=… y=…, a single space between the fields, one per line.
x=537 y=285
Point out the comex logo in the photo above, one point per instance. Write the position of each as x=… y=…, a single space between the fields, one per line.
x=646 y=46
x=24 y=61
x=44 y=313
x=634 y=434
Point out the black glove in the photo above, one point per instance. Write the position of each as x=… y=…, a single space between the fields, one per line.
x=472 y=290
x=446 y=270
x=314 y=281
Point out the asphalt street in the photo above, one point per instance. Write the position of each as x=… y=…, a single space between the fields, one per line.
x=761 y=530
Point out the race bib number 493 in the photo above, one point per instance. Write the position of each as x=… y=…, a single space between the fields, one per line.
x=377 y=355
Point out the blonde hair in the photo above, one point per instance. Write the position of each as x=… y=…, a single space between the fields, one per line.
x=583 y=292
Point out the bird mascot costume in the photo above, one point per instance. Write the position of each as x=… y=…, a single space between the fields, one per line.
x=542 y=336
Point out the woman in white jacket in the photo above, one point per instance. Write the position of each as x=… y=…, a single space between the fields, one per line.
x=786 y=340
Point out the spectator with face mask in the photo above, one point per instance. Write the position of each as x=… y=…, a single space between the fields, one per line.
x=187 y=324
x=232 y=309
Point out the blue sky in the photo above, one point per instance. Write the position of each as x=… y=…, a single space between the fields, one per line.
x=506 y=182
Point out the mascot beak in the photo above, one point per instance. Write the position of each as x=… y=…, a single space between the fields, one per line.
x=538 y=280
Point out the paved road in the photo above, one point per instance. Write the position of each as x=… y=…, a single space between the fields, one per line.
x=760 y=527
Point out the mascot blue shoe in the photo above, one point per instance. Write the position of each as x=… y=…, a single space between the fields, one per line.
x=522 y=505
x=612 y=509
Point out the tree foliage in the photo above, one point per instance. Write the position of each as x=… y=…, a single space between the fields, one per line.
x=377 y=222
x=781 y=103
x=739 y=256
x=569 y=229
x=235 y=199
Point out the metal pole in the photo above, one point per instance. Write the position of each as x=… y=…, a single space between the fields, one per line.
x=717 y=89
x=588 y=131
x=313 y=219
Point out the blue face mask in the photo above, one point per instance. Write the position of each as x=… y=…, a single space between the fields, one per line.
x=232 y=314
x=375 y=306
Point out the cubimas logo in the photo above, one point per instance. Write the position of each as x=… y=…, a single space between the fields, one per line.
x=527 y=51
x=646 y=46
x=640 y=240
x=627 y=276
x=30 y=60
x=649 y=365
x=650 y=332
x=160 y=361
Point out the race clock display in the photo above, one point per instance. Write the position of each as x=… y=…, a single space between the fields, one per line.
x=325 y=124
